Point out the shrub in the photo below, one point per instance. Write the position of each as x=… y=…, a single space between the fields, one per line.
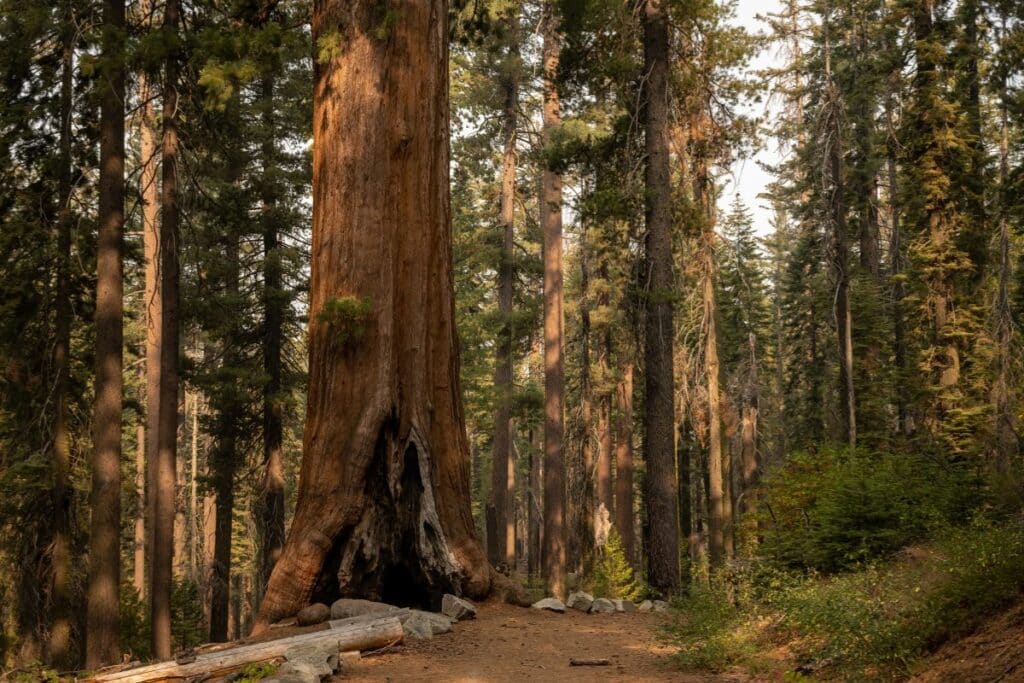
x=835 y=509
x=612 y=576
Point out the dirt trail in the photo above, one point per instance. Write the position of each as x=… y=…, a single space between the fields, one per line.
x=507 y=643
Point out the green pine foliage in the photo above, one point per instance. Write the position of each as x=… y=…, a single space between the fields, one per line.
x=612 y=576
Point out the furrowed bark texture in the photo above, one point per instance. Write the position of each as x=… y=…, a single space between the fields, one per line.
x=502 y=470
x=104 y=581
x=383 y=508
x=166 y=440
x=554 y=368
x=659 y=413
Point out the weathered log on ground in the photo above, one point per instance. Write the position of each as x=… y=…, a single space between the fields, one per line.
x=354 y=634
x=589 y=662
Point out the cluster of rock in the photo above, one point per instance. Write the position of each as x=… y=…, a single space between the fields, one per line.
x=417 y=624
x=312 y=664
x=585 y=602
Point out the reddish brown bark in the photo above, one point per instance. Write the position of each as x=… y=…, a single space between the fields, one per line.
x=104 y=580
x=659 y=383
x=383 y=508
x=554 y=370
x=501 y=548
x=166 y=440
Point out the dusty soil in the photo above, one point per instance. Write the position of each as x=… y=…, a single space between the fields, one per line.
x=506 y=643
x=995 y=652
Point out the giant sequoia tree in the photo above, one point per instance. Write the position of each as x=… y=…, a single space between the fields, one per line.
x=383 y=508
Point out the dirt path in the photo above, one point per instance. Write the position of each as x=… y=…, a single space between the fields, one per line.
x=507 y=643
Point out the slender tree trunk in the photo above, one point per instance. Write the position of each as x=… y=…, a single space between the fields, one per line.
x=604 y=435
x=152 y=297
x=749 y=437
x=180 y=505
x=1007 y=443
x=841 y=265
x=502 y=550
x=580 y=471
x=230 y=413
x=383 y=506
x=899 y=347
x=717 y=504
x=104 y=580
x=684 y=459
x=59 y=643
x=167 y=426
x=271 y=504
x=534 y=521
x=659 y=415
x=624 y=462
x=554 y=371
x=139 y=531
x=193 y=534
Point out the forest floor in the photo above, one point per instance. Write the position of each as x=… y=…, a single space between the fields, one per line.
x=506 y=643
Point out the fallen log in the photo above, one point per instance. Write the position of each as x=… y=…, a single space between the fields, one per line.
x=362 y=634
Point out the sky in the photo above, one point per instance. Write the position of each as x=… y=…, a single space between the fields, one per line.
x=747 y=178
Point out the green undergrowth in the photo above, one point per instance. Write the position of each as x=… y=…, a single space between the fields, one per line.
x=874 y=623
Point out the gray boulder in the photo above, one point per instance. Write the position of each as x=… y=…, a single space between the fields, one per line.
x=550 y=604
x=624 y=606
x=305 y=670
x=317 y=613
x=418 y=627
x=318 y=655
x=439 y=623
x=646 y=606
x=580 y=601
x=659 y=606
x=457 y=608
x=353 y=607
x=602 y=606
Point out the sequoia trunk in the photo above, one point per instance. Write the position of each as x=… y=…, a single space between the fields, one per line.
x=383 y=507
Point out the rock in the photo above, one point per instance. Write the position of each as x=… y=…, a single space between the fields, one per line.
x=457 y=608
x=551 y=604
x=352 y=607
x=602 y=606
x=659 y=606
x=316 y=613
x=314 y=654
x=439 y=623
x=624 y=606
x=580 y=600
x=304 y=671
x=418 y=627
x=646 y=606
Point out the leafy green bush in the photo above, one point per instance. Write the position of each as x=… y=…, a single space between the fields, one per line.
x=835 y=509
x=611 y=576
x=872 y=624
x=712 y=634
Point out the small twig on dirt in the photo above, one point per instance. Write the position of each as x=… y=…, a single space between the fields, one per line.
x=588 y=662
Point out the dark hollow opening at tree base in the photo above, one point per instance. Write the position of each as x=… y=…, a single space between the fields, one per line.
x=385 y=549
